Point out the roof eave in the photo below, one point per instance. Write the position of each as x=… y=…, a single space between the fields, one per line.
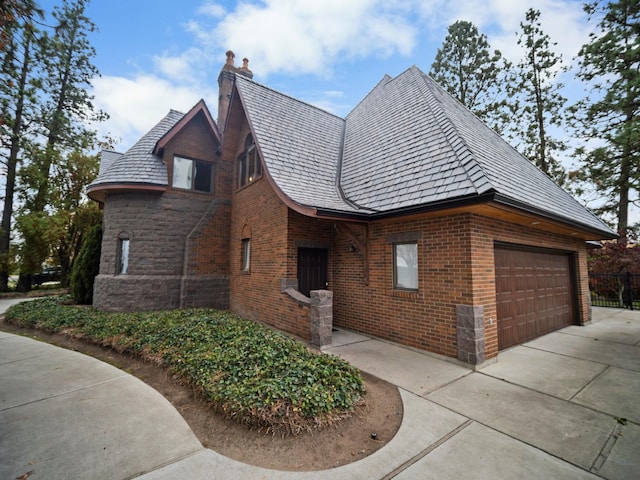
x=406 y=211
x=468 y=201
x=98 y=192
x=598 y=233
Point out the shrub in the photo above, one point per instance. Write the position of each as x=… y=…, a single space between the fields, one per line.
x=86 y=267
x=245 y=370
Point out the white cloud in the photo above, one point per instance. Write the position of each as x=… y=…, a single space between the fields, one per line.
x=212 y=9
x=563 y=20
x=136 y=105
x=181 y=68
x=301 y=37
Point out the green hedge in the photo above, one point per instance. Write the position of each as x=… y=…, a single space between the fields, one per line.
x=245 y=370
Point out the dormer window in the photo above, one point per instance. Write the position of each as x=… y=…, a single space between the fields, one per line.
x=192 y=174
x=249 y=166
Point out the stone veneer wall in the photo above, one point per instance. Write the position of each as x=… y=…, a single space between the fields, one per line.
x=157 y=226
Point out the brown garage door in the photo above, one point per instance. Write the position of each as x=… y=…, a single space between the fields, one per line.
x=534 y=294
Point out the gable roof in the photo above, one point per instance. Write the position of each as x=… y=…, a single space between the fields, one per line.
x=199 y=108
x=408 y=145
x=138 y=165
x=142 y=166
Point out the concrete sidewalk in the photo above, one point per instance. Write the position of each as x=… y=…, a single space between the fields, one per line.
x=551 y=408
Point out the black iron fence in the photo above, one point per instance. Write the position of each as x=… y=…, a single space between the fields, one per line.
x=620 y=290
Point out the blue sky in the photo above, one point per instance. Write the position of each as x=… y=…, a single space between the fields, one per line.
x=157 y=55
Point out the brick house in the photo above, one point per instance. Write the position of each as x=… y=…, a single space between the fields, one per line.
x=417 y=221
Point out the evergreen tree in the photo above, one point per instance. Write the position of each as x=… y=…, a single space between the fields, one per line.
x=467 y=68
x=13 y=12
x=66 y=109
x=610 y=117
x=87 y=267
x=19 y=85
x=539 y=105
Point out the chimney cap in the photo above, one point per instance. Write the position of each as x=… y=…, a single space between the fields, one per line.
x=230 y=57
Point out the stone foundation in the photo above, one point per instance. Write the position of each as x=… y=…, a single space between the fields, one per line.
x=125 y=293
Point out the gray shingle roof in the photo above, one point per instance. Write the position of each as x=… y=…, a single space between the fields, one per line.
x=399 y=151
x=107 y=157
x=505 y=170
x=407 y=144
x=300 y=145
x=138 y=165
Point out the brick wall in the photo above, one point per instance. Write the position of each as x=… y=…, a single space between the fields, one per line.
x=276 y=233
x=456 y=267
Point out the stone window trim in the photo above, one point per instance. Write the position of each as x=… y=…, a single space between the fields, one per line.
x=249 y=163
x=192 y=174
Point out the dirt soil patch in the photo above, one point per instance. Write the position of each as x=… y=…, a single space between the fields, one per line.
x=347 y=442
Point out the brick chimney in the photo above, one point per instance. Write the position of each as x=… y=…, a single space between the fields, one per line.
x=226 y=79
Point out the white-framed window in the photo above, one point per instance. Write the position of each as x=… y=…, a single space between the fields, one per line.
x=123 y=255
x=405 y=266
x=249 y=166
x=246 y=254
x=192 y=174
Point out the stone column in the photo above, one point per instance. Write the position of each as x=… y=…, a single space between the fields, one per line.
x=470 y=330
x=321 y=317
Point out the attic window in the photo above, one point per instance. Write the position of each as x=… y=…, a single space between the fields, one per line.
x=192 y=174
x=249 y=166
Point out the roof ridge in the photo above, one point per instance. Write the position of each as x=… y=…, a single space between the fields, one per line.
x=386 y=78
x=459 y=136
x=297 y=100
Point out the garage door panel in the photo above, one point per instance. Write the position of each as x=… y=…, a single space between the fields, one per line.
x=534 y=294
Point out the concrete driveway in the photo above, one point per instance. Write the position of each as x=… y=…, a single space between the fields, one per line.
x=562 y=406
x=570 y=398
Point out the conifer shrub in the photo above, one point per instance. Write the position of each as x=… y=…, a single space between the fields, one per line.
x=86 y=267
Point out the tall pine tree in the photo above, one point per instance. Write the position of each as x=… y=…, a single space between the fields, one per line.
x=539 y=104
x=19 y=85
x=469 y=70
x=66 y=109
x=609 y=117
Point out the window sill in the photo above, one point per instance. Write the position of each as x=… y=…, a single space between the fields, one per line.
x=410 y=294
x=249 y=183
x=187 y=190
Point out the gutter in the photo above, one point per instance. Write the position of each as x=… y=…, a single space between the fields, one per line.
x=401 y=212
x=485 y=198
